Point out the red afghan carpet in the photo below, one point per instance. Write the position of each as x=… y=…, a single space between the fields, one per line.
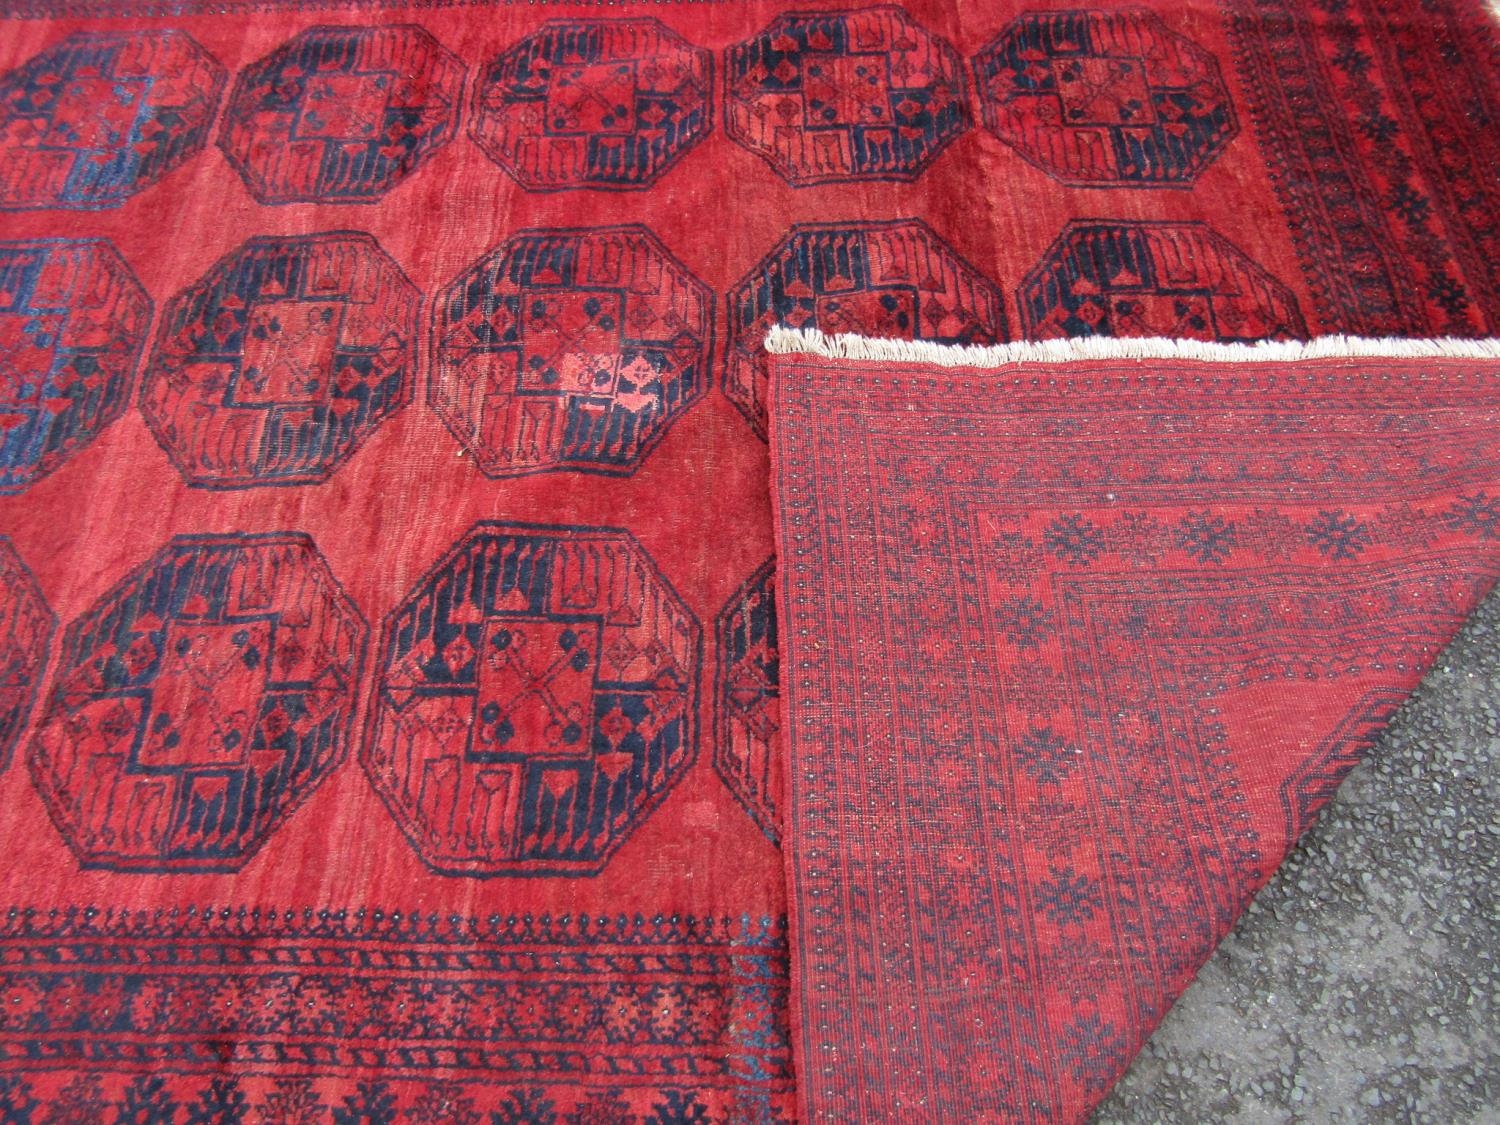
x=390 y=704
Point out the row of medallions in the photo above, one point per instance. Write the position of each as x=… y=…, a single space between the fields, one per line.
x=559 y=350
x=536 y=697
x=343 y=114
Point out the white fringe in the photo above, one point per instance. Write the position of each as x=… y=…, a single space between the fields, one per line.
x=812 y=342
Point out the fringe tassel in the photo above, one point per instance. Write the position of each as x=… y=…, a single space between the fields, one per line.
x=810 y=341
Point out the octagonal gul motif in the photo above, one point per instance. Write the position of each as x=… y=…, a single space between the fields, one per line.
x=97 y=118
x=198 y=703
x=893 y=279
x=569 y=349
x=537 y=697
x=276 y=366
x=864 y=94
x=747 y=738
x=1105 y=97
x=73 y=323
x=341 y=114
x=26 y=627
x=593 y=103
x=1183 y=280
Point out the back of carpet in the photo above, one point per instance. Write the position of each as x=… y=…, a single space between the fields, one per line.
x=1073 y=651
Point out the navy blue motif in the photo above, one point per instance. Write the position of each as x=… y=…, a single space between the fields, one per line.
x=1475 y=513
x=1046 y=756
x=570 y=349
x=26 y=628
x=342 y=114
x=1105 y=98
x=210 y=1016
x=97 y=118
x=892 y=279
x=747 y=740
x=1207 y=537
x=73 y=323
x=1073 y=538
x=1338 y=535
x=857 y=95
x=1107 y=278
x=537 y=698
x=198 y=703
x=1025 y=622
x=593 y=103
x=282 y=360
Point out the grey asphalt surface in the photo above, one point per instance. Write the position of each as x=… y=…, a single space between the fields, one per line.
x=1362 y=984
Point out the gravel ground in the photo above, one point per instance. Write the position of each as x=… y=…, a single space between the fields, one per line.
x=1362 y=984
